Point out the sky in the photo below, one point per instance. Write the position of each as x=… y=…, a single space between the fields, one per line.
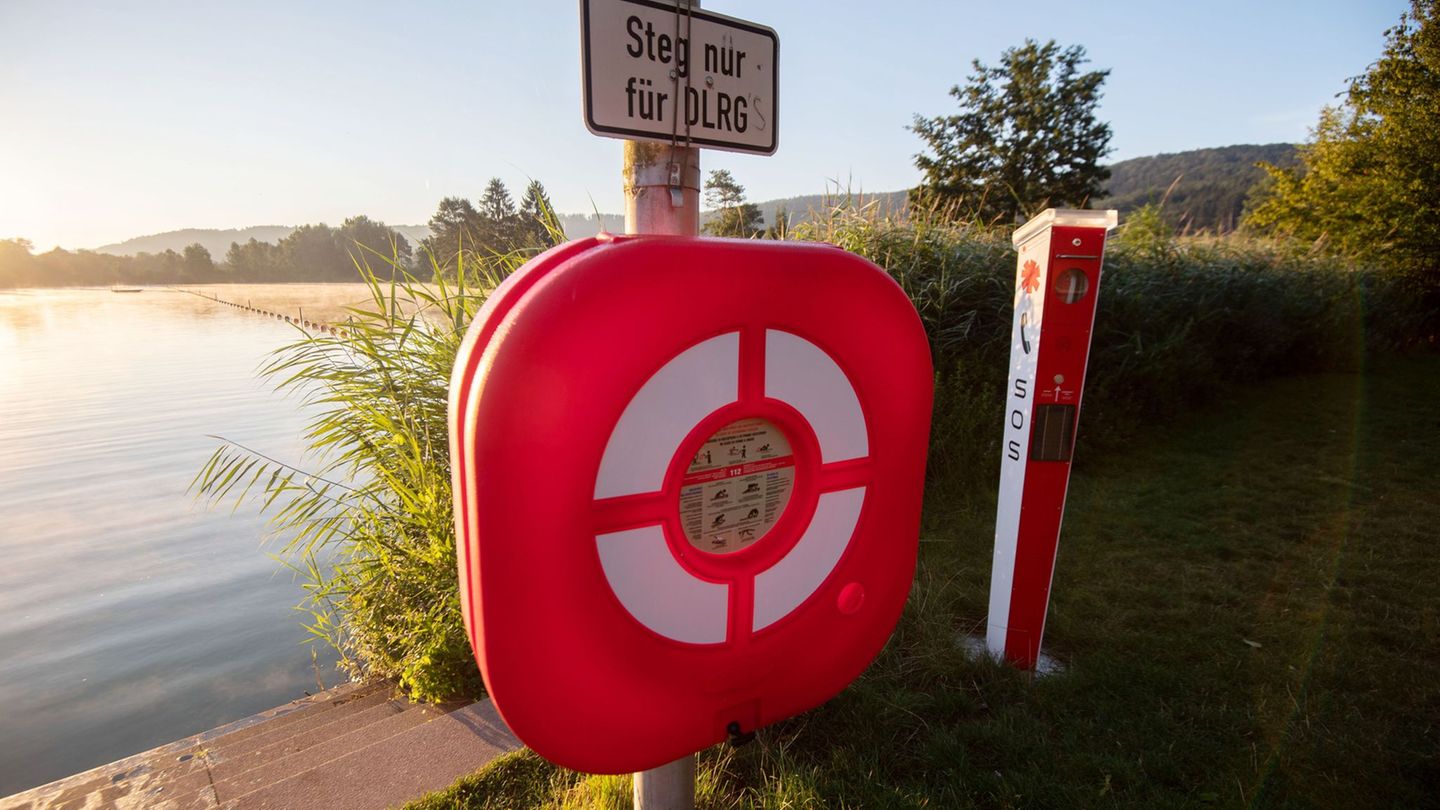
x=125 y=119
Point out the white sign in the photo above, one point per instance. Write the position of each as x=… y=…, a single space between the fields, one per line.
x=657 y=72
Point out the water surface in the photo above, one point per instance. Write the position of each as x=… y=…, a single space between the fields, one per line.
x=130 y=614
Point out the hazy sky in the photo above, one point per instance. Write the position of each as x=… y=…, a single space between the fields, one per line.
x=123 y=119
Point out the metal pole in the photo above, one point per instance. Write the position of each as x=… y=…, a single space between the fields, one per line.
x=668 y=787
x=662 y=196
x=662 y=189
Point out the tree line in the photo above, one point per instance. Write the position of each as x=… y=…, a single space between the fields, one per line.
x=317 y=252
x=309 y=253
x=20 y=266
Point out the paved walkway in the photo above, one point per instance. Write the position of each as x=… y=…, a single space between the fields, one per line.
x=357 y=746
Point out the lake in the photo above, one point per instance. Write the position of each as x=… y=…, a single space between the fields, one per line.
x=130 y=614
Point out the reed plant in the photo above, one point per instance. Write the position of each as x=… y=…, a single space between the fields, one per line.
x=365 y=519
x=1180 y=320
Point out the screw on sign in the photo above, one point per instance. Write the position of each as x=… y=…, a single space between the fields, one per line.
x=1056 y=286
x=688 y=477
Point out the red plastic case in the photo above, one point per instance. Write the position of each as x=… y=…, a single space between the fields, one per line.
x=620 y=613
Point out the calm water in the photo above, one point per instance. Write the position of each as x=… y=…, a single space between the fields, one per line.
x=130 y=614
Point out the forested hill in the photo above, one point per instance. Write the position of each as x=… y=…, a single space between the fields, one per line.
x=218 y=240
x=798 y=208
x=1211 y=188
x=1209 y=195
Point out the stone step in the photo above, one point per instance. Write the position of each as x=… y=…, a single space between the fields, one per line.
x=251 y=739
x=225 y=765
x=268 y=722
x=405 y=766
x=285 y=765
x=174 y=769
x=352 y=747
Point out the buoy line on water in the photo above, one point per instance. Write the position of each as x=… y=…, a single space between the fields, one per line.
x=298 y=319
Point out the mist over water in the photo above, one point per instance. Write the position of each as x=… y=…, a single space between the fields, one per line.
x=130 y=614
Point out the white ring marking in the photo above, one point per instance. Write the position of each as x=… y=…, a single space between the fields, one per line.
x=660 y=594
x=797 y=576
x=664 y=411
x=802 y=374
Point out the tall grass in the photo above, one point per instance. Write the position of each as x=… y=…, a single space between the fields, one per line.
x=1179 y=320
x=366 y=518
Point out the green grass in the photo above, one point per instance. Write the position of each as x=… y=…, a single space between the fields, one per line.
x=1247 y=605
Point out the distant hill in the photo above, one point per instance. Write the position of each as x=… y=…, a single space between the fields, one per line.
x=217 y=240
x=799 y=207
x=1210 y=195
x=578 y=225
x=1211 y=188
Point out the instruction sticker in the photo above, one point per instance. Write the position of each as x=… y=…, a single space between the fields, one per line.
x=736 y=487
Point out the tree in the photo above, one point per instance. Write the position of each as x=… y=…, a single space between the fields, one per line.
x=313 y=253
x=498 y=219
x=17 y=265
x=1026 y=137
x=539 y=226
x=734 y=216
x=452 y=229
x=374 y=244
x=197 y=263
x=1368 y=182
x=255 y=261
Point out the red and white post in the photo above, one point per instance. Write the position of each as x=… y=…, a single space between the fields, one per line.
x=1057 y=282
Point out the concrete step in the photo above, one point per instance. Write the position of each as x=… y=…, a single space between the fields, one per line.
x=281 y=765
x=352 y=747
x=267 y=722
x=146 y=785
x=229 y=765
x=177 y=784
x=389 y=772
x=231 y=746
x=149 y=778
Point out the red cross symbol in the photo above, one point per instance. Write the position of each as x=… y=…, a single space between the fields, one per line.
x=1030 y=278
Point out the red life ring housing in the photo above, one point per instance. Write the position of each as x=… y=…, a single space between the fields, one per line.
x=688 y=476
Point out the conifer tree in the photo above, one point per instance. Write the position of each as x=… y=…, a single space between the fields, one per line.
x=539 y=225
x=497 y=229
x=734 y=216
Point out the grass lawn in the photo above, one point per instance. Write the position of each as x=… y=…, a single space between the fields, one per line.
x=1247 y=604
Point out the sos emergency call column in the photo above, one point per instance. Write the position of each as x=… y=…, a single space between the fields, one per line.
x=1057 y=282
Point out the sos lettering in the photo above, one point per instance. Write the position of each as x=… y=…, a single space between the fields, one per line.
x=1017 y=419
